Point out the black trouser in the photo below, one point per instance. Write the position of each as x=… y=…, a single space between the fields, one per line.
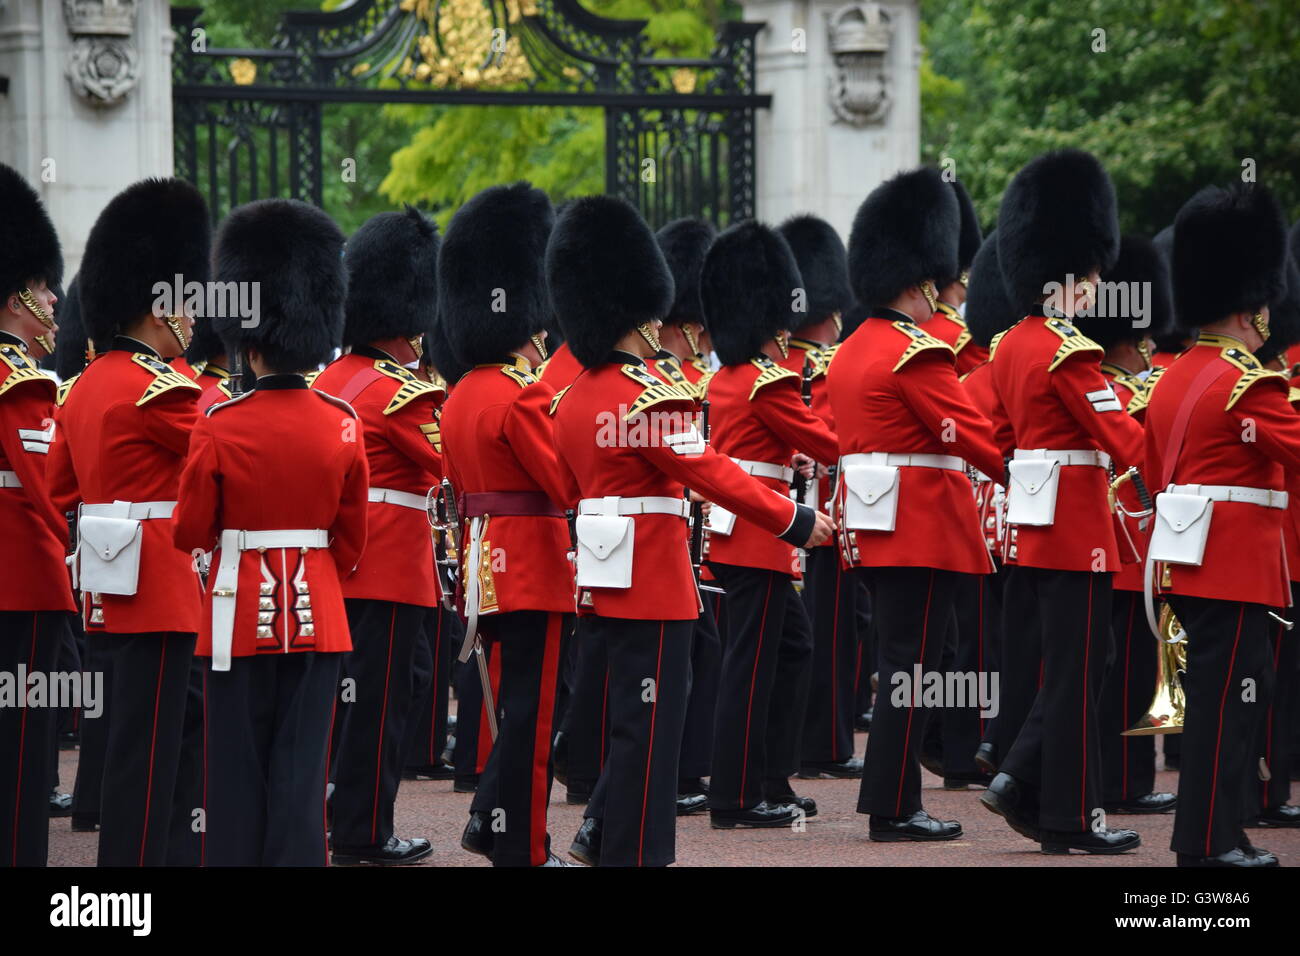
x=636 y=795
x=706 y=668
x=911 y=608
x=426 y=735
x=1274 y=734
x=151 y=675
x=473 y=737
x=866 y=659
x=87 y=791
x=1061 y=619
x=1022 y=656
x=31 y=640
x=1228 y=685
x=515 y=787
x=789 y=706
x=991 y=587
x=268 y=729
x=830 y=597
x=586 y=721
x=68 y=661
x=185 y=843
x=385 y=636
x=743 y=751
x=1128 y=764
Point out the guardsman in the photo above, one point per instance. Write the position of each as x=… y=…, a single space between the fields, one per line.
x=1220 y=436
x=275 y=488
x=124 y=429
x=750 y=286
x=500 y=456
x=207 y=355
x=1063 y=425
x=826 y=745
x=392 y=595
x=631 y=443
x=904 y=503
x=36 y=605
x=949 y=322
x=1139 y=296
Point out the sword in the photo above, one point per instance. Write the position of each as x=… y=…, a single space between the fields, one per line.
x=473 y=644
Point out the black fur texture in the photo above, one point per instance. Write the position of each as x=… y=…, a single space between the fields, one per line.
x=1139 y=264
x=823 y=264
x=606 y=273
x=988 y=307
x=205 y=344
x=905 y=231
x=70 y=340
x=392 y=264
x=748 y=287
x=491 y=287
x=295 y=252
x=29 y=245
x=970 y=237
x=437 y=351
x=1058 y=218
x=684 y=243
x=149 y=233
x=1230 y=248
x=1283 y=318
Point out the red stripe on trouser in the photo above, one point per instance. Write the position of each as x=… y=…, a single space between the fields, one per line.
x=324 y=797
x=1218 y=740
x=753 y=679
x=484 y=730
x=1083 y=744
x=435 y=753
x=835 y=649
x=379 y=740
x=153 y=747
x=650 y=747
x=907 y=736
x=542 y=742
x=22 y=746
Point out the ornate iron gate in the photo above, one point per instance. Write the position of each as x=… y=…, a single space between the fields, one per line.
x=679 y=133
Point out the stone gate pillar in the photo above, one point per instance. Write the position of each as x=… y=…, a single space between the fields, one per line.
x=846 y=103
x=88 y=109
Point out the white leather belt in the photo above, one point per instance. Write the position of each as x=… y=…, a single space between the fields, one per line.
x=1076 y=456
x=1264 y=497
x=393 y=497
x=765 y=469
x=139 y=510
x=9 y=479
x=913 y=460
x=649 y=505
x=225 y=585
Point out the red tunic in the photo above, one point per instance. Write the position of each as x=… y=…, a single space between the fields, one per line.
x=36 y=535
x=561 y=368
x=215 y=382
x=399 y=413
x=663 y=587
x=1043 y=373
x=757 y=414
x=893 y=389
x=123 y=432
x=1291 y=523
x=947 y=325
x=979 y=389
x=278 y=459
x=802 y=351
x=497 y=437
x=182 y=364
x=1127 y=387
x=1244 y=555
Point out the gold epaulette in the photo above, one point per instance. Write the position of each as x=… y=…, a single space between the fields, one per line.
x=1249 y=378
x=18 y=368
x=540 y=370
x=993 y=343
x=518 y=375
x=702 y=386
x=1072 y=342
x=701 y=364
x=555 y=402
x=814 y=354
x=1293 y=395
x=61 y=395
x=165 y=378
x=769 y=372
x=656 y=390
x=828 y=354
x=672 y=368
x=412 y=385
x=1124 y=377
x=1142 y=398
x=312 y=376
x=921 y=342
x=955 y=317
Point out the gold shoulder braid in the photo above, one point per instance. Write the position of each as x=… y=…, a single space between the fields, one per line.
x=673 y=369
x=61 y=395
x=18 y=368
x=921 y=342
x=1249 y=378
x=1142 y=399
x=412 y=385
x=165 y=378
x=1072 y=341
x=769 y=372
x=555 y=402
x=1124 y=377
x=656 y=391
x=517 y=375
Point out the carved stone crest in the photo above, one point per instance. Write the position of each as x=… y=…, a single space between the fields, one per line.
x=859 y=41
x=104 y=64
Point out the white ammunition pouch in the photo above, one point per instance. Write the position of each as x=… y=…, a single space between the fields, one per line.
x=606 y=534
x=1036 y=479
x=871 y=485
x=109 y=540
x=720 y=520
x=1184 y=512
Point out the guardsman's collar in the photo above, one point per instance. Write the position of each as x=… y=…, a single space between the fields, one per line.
x=625 y=358
x=10 y=339
x=1220 y=341
x=665 y=354
x=805 y=344
x=124 y=343
x=892 y=315
x=280 y=381
x=369 y=351
x=948 y=309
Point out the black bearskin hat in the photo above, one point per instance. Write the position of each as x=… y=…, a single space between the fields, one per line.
x=607 y=275
x=748 y=287
x=392 y=263
x=823 y=265
x=29 y=246
x=854 y=315
x=491 y=287
x=1283 y=318
x=1138 y=267
x=1229 y=254
x=1058 y=218
x=988 y=307
x=969 y=239
x=205 y=344
x=905 y=231
x=70 y=341
x=438 y=353
x=149 y=233
x=684 y=243
x=294 y=251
